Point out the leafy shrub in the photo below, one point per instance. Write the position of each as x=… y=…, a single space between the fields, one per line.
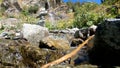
x=25 y=12
x=33 y=9
x=109 y=2
x=29 y=10
x=60 y=24
x=83 y=16
x=84 y=20
x=112 y=10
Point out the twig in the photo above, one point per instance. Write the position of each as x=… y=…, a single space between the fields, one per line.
x=73 y=53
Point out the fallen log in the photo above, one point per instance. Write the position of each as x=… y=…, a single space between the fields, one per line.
x=73 y=53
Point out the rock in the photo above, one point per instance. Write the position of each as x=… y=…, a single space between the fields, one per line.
x=92 y=29
x=34 y=33
x=76 y=42
x=42 y=15
x=73 y=30
x=10 y=54
x=35 y=57
x=12 y=7
x=41 y=23
x=106 y=49
x=21 y=54
x=82 y=33
x=55 y=43
x=11 y=12
x=11 y=34
x=46 y=3
x=9 y=23
x=5 y=4
x=5 y=35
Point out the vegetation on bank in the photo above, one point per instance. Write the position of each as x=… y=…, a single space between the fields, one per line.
x=82 y=15
x=91 y=13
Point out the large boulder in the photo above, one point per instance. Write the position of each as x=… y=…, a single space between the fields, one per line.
x=20 y=54
x=51 y=42
x=10 y=56
x=35 y=57
x=34 y=33
x=106 y=49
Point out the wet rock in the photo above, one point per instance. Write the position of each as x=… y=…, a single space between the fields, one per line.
x=55 y=43
x=34 y=33
x=82 y=33
x=10 y=54
x=76 y=42
x=35 y=57
x=21 y=54
x=92 y=29
x=106 y=49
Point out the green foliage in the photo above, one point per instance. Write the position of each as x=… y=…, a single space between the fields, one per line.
x=25 y=12
x=83 y=16
x=60 y=24
x=90 y=13
x=2 y=10
x=109 y=2
x=113 y=10
x=85 y=19
x=33 y=9
x=30 y=10
x=70 y=4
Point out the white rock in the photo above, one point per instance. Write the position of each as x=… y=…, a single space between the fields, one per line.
x=34 y=33
x=93 y=27
x=9 y=22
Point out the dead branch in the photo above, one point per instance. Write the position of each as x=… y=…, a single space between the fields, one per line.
x=73 y=53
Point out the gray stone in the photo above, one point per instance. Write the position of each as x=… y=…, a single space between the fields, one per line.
x=10 y=56
x=12 y=7
x=41 y=23
x=57 y=43
x=43 y=13
x=9 y=23
x=82 y=33
x=106 y=49
x=34 y=33
x=92 y=29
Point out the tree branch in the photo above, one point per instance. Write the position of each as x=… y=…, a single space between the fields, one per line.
x=73 y=53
